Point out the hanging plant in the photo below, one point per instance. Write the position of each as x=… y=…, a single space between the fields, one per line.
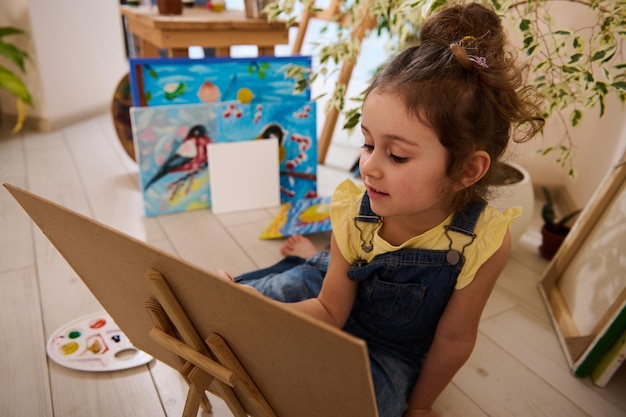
x=573 y=70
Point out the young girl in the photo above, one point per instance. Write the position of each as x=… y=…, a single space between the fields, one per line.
x=415 y=254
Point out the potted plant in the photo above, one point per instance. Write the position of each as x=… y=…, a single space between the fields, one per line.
x=9 y=81
x=554 y=229
x=574 y=70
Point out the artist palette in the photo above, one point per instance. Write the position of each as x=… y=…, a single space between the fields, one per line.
x=94 y=343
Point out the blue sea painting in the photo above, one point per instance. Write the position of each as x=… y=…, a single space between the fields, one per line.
x=170 y=147
x=293 y=124
x=167 y=81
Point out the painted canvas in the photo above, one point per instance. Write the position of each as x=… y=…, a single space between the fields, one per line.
x=171 y=153
x=171 y=148
x=293 y=125
x=167 y=81
x=300 y=217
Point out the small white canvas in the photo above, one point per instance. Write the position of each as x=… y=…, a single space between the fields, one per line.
x=244 y=175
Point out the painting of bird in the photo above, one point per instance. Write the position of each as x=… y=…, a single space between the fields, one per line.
x=190 y=156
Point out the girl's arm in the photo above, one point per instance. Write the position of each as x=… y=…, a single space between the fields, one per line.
x=334 y=303
x=456 y=334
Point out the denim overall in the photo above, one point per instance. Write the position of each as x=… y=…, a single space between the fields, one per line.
x=400 y=298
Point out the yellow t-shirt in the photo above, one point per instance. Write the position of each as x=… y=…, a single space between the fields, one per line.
x=490 y=230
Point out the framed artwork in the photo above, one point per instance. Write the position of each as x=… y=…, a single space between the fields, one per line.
x=168 y=81
x=171 y=146
x=584 y=287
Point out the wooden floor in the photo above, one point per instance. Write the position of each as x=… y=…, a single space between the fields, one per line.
x=517 y=368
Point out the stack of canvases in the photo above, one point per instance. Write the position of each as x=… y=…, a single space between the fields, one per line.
x=185 y=109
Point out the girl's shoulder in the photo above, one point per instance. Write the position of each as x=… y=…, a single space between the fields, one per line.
x=491 y=229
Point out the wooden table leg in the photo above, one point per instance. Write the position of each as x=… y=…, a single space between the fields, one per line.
x=146 y=49
x=178 y=52
x=223 y=51
x=266 y=50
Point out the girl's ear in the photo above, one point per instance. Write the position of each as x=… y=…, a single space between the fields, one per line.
x=475 y=168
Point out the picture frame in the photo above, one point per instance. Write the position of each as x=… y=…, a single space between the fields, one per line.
x=584 y=288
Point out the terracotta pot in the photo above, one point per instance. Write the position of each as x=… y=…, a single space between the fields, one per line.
x=551 y=242
x=169 y=7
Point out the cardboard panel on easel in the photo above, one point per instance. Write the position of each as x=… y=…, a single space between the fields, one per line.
x=303 y=367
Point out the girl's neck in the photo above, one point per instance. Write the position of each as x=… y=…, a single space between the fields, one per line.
x=398 y=229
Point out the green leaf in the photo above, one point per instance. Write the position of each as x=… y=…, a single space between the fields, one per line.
x=602 y=106
x=570 y=69
x=574 y=58
x=528 y=41
x=524 y=25
x=10 y=30
x=576 y=116
x=12 y=83
x=14 y=54
x=620 y=85
x=598 y=55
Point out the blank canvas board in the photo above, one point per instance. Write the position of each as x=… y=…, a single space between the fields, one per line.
x=244 y=175
x=303 y=367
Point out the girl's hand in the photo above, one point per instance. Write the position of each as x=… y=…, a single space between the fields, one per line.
x=224 y=275
x=414 y=412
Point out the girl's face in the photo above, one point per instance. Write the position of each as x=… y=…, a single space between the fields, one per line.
x=402 y=163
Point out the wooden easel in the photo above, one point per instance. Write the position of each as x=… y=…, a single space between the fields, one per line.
x=359 y=27
x=258 y=355
x=208 y=365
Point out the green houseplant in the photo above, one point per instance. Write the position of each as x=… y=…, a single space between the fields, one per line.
x=554 y=229
x=573 y=70
x=9 y=81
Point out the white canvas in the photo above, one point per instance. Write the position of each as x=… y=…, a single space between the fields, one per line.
x=244 y=175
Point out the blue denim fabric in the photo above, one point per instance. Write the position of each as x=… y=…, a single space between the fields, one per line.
x=290 y=280
x=400 y=298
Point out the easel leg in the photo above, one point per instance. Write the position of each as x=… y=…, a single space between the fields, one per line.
x=205 y=370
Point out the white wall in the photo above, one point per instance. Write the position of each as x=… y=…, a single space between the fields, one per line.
x=78 y=57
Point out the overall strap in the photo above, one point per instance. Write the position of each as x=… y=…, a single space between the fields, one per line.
x=463 y=222
x=366 y=215
x=365 y=211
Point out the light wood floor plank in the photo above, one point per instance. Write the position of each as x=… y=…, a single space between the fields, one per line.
x=24 y=388
x=534 y=343
x=503 y=386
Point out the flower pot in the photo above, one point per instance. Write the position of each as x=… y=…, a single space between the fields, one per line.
x=170 y=7
x=516 y=189
x=551 y=242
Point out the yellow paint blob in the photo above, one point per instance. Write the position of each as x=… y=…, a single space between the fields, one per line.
x=69 y=348
x=245 y=95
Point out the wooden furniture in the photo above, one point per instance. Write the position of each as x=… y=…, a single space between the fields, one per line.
x=359 y=28
x=198 y=26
